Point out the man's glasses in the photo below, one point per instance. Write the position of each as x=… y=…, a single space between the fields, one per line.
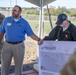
x=15 y=11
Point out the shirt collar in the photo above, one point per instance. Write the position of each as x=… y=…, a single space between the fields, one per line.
x=16 y=21
x=66 y=27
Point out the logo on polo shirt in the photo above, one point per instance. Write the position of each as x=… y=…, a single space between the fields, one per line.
x=8 y=24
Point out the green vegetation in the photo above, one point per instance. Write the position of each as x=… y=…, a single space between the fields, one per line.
x=47 y=28
x=32 y=15
x=54 y=11
x=35 y=24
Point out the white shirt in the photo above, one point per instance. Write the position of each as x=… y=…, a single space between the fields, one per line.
x=65 y=27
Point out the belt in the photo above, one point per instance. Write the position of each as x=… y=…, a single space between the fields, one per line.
x=14 y=42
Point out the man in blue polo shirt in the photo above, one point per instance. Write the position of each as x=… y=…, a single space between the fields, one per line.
x=15 y=28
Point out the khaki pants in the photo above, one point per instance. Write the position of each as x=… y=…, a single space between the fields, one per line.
x=17 y=52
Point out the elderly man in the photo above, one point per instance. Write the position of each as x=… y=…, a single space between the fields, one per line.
x=64 y=31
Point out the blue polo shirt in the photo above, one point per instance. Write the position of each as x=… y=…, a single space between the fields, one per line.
x=15 y=31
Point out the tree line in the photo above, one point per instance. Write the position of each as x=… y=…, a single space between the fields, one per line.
x=71 y=12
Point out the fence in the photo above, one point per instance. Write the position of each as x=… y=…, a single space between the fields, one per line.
x=35 y=17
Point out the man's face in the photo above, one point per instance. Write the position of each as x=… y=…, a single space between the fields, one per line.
x=15 y=12
x=64 y=23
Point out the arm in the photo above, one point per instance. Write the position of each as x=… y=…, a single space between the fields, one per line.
x=52 y=35
x=1 y=41
x=30 y=33
x=34 y=37
x=1 y=36
x=74 y=33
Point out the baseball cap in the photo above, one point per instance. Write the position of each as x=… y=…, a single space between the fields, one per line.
x=61 y=18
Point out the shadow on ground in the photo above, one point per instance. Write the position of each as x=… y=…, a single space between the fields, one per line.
x=26 y=67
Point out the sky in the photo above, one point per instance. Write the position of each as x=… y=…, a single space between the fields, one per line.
x=22 y=3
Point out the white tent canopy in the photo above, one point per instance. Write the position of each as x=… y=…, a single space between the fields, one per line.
x=37 y=2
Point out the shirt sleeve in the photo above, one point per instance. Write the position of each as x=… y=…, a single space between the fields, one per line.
x=74 y=33
x=29 y=30
x=52 y=35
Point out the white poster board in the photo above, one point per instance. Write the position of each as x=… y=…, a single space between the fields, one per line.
x=53 y=55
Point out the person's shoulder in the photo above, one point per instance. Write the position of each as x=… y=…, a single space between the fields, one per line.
x=24 y=20
x=56 y=27
x=72 y=26
x=9 y=17
x=2 y=16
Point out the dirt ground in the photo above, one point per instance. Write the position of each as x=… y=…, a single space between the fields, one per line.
x=31 y=49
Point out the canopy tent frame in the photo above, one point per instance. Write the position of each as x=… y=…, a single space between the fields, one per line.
x=40 y=3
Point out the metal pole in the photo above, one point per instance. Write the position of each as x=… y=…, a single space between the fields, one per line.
x=16 y=2
x=40 y=18
x=10 y=7
x=40 y=24
x=49 y=17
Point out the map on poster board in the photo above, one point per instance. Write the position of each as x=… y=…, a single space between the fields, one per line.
x=53 y=55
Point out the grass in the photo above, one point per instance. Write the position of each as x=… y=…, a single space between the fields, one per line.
x=34 y=24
